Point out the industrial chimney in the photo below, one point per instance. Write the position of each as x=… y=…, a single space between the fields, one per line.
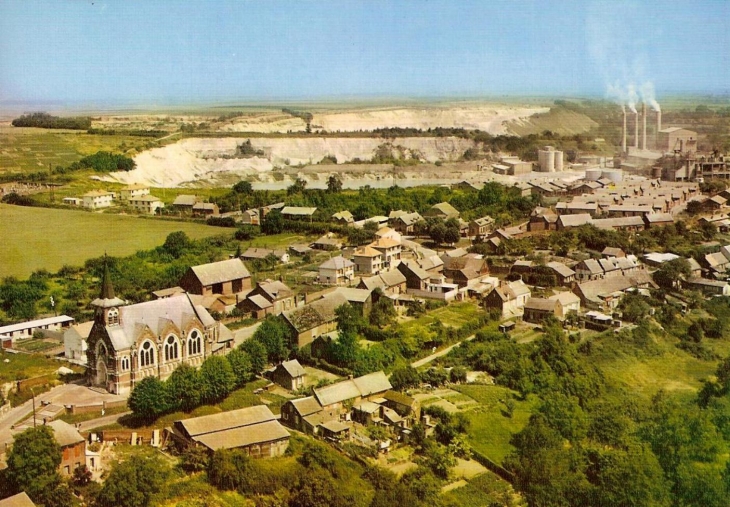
x=623 y=139
x=636 y=131
x=658 y=121
x=643 y=133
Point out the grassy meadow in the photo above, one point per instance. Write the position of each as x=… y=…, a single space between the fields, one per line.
x=42 y=238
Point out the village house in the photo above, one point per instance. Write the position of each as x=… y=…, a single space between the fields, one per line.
x=96 y=199
x=509 y=298
x=405 y=223
x=388 y=233
x=75 y=342
x=368 y=261
x=73 y=446
x=222 y=277
x=542 y=219
x=390 y=282
x=708 y=287
x=336 y=271
x=289 y=375
x=463 y=270
x=566 y=222
x=328 y=242
x=130 y=342
x=442 y=210
x=251 y=217
x=298 y=213
x=131 y=192
x=563 y=274
x=260 y=254
x=658 y=220
x=612 y=251
x=343 y=218
x=390 y=250
x=168 y=292
x=270 y=297
x=147 y=204
x=605 y=294
x=254 y=430
x=416 y=278
x=481 y=226
x=315 y=319
x=205 y=209
x=184 y=203
x=569 y=302
x=432 y=264
x=360 y=299
x=536 y=310
x=577 y=208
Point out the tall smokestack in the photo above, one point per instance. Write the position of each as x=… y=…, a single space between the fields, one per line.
x=658 y=121
x=623 y=138
x=643 y=133
x=636 y=131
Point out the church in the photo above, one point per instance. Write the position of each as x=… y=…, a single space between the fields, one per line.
x=130 y=342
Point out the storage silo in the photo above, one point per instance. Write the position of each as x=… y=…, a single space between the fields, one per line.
x=546 y=158
x=558 y=160
x=613 y=175
x=593 y=174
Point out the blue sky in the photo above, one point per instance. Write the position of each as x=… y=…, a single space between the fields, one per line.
x=155 y=51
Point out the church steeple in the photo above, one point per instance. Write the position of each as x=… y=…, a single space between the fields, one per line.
x=107 y=289
x=106 y=306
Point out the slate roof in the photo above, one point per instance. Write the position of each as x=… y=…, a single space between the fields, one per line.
x=219 y=272
x=185 y=200
x=541 y=304
x=316 y=313
x=366 y=385
x=338 y=262
x=244 y=436
x=293 y=368
x=561 y=269
x=275 y=289
x=306 y=406
x=575 y=220
x=155 y=315
x=65 y=434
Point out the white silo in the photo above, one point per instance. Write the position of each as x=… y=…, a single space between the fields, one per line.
x=546 y=158
x=593 y=174
x=558 y=160
x=615 y=175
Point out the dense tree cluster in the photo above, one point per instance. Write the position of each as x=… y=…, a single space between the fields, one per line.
x=47 y=121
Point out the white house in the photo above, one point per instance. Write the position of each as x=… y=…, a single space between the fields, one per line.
x=74 y=342
x=148 y=204
x=336 y=271
x=133 y=191
x=97 y=199
x=26 y=329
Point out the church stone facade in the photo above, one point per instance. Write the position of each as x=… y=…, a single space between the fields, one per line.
x=130 y=342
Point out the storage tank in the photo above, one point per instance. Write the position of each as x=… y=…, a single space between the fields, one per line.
x=656 y=172
x=546 y=157
x=558 y=161
x=593 y=174
x=613 y=175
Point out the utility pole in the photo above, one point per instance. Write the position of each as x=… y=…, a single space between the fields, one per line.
x=50 y=178
x=33 y=393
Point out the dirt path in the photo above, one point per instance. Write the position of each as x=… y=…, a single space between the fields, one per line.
x=440 y=353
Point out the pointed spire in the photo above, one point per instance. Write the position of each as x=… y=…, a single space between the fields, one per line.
x=107 y=289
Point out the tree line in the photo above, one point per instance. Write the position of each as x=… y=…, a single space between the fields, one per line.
x=45 y=120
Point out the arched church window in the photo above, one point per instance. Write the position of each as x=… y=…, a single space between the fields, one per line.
x=147 y=354
x=171 y=349
x=195 y=343
x=125 y=363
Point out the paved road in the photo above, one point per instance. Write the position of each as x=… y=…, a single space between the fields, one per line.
x=440 y=353
x=101 y=421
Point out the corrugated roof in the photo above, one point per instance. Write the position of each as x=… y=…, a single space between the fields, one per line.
x=222 y=271
x=298 y=210
x=233 y=438
x=226 y=420
x=61 y=319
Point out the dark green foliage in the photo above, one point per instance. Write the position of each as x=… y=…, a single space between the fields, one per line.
x=82 y=475
x=382 y=313
x=317 y=489
x=241 y=366
x=247 y=150
x=405 y=377
x=18 y=200
x=243 y=187
x=134 y=483
x=670 y=273
x=221 y=221
x=149 y=399
x=334 y=184
x=18 y=299
x=274 y=335
x=257 y=354
x=273 y=223
x=194 y=459
x=217 y=379
x=103 y=162
x=176 y=244
x=34 y=456
x=634 y=307
x=46 y=121
x=246 y=232
x=183 y=388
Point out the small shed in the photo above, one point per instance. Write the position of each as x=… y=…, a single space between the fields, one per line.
x=289 y=375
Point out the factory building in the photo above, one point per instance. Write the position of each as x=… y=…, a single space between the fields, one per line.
x=677 y=138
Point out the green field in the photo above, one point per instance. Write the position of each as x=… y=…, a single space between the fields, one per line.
x=42 y=238
x=490 y=427
x=32 y=149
